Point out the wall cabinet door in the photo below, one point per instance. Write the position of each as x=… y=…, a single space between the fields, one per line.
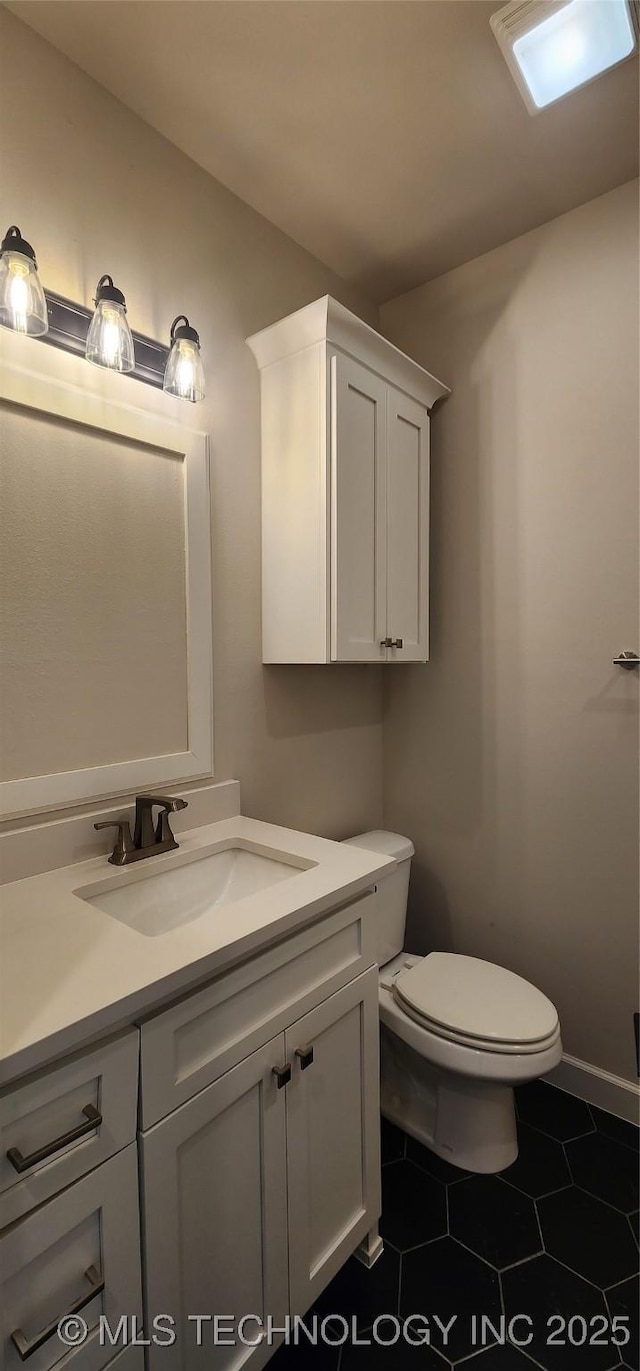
x=379 y=519
x=215 y=1214
x=407 y=528
x=358 y=513
x=332 y=1135
x=78 y=1252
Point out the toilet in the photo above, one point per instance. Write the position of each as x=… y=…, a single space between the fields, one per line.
x=456 y=1034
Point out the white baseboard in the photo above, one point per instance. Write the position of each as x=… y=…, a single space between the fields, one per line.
x=597 y=1087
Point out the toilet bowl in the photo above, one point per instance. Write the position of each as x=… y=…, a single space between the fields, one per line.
x=456 y=1035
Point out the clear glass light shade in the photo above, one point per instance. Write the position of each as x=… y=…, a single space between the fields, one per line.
x=23 y=306
x=109 y=341
x=575 y=43
x=184 y=374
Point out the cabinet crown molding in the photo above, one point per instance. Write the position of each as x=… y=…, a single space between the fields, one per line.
x=326 y=320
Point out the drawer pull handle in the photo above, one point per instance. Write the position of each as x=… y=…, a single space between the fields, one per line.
x=25 y=1349
x=305 y=1057
x=282 y=1074
x=20 y=1163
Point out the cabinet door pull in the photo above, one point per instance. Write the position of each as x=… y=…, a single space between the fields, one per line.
x=26 y=1348
x=386 y=642
x=396 y=642
x=282 y=1074
x=305 y=1057
x=20 y=1163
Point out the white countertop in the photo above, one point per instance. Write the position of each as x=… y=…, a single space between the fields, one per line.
x=70 y=972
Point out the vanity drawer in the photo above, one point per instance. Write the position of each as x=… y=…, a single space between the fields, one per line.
x=77 y=1114
x=185 y=1048
x=85 y=1240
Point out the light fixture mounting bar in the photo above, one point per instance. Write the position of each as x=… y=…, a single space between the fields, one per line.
x=68 y=329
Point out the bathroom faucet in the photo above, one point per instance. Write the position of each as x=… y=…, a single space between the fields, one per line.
x=148 y=838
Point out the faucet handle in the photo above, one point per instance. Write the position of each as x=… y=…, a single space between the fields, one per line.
x=124 y=842
x=168 y=802
x=145 y=835
x=167 y=805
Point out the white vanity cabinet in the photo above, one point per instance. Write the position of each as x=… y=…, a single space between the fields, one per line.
x=260 y=1149
x=258 y=1189
x=78 y=1254
x=345 y=491
x=69 y=1208
x=226 y=1146
x=333 y=1135
x=215 y=1213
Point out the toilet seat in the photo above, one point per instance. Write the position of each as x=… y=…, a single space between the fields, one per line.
x=474 y=1003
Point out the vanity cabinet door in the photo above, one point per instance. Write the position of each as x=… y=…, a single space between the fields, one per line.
x=215 y=1215
x=77 y=1254
x=333 y=1135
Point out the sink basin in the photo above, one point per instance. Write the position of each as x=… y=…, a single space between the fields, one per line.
x=191 y=886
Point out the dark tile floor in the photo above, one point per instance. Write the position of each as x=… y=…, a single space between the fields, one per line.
x=553 y=1238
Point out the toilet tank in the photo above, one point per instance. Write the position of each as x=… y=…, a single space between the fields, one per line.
x=391 y=891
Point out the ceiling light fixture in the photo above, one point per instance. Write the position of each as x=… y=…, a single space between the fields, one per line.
x=109 y=341
x=23 y=306
x=552 y=48
x=184 y=375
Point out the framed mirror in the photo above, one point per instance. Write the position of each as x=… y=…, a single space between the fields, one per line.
x=105 y=601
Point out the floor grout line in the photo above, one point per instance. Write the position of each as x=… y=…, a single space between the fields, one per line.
x=535 y=1198
x=592 y=1292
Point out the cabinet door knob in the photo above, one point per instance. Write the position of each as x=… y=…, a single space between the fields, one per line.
x=386 y=642
x=396 y=642
x=305 y=1056
x=282 y=1074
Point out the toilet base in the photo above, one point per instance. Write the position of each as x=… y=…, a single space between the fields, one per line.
x=469 y=1123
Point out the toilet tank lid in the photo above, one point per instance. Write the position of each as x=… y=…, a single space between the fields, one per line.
x=390 y=844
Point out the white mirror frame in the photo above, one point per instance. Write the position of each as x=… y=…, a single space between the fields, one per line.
x=37 y=793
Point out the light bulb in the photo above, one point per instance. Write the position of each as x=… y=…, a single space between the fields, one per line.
x=18 y=294
x=23 y=306
x=184 y=372
x=109 y=341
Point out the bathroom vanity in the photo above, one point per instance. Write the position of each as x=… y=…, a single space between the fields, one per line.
x=189 y=1113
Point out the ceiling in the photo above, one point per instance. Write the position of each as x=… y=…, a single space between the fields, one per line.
x=385 y=136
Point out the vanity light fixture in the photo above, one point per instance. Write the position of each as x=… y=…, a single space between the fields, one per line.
x=184 y=375
x=102 y=335
x=552 y=48
x=109 y=341
x=23 y=306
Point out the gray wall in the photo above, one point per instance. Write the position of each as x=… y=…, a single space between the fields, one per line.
x=95 y=189
x=511 y=758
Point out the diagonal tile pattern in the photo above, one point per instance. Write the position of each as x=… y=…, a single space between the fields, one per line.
x=548 y=1243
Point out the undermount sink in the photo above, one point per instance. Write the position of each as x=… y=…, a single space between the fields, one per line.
x=191 y=885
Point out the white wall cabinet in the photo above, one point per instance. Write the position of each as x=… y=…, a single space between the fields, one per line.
x=257 y=1189
x=345 y=491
